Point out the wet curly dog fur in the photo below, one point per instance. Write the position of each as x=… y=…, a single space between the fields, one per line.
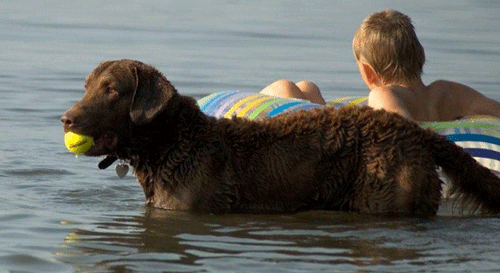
x=350 y=159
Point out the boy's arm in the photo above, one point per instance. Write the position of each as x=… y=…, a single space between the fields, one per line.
x=473 y=102
x=389 y=101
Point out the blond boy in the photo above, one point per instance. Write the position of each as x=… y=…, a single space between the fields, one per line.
x=390 y=60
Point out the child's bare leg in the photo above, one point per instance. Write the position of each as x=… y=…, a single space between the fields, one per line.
x=311 y=92
x=284 y=89
x=302 y=90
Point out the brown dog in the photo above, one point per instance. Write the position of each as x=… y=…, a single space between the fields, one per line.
x=350 y=159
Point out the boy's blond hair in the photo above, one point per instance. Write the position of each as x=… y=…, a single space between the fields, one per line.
x=388 y=42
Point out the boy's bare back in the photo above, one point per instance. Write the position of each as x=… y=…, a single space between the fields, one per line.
x=439 y=101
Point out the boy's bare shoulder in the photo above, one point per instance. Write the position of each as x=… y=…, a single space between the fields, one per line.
x=462 y=100
x=450 y=86
x=389 y=94
x=441 y=86
x=392 y=99
x=385 y=91
x=454 y=91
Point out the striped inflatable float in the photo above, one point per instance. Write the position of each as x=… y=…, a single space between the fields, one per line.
x=478 y=135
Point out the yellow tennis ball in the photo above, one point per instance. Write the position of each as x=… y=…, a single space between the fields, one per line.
x=76 y=143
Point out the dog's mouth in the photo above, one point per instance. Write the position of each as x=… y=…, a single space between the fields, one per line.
x=104 y=144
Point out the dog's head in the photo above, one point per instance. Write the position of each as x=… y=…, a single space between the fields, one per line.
x=118 y=95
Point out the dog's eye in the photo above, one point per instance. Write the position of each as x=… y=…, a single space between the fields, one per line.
x=110 y=90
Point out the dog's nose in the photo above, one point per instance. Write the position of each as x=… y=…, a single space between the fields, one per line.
x=66 y=121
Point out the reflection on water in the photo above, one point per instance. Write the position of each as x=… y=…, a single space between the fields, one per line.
x=61 y=214
x=312 y=241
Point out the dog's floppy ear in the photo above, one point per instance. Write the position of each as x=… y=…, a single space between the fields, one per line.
x=151 y=95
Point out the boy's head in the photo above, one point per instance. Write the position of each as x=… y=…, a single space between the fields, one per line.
x=387 y=41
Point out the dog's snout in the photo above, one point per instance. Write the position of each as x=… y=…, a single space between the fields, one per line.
x=67 y=121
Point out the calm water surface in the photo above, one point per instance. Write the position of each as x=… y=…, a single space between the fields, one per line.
x=59 y=213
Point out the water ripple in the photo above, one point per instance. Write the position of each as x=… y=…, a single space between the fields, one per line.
x=37 y=172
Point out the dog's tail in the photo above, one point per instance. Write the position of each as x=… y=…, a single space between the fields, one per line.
x=474 y=185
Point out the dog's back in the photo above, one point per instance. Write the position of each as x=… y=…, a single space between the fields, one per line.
x=353 y=159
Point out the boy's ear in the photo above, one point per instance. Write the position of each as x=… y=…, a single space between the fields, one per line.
x=370 y=74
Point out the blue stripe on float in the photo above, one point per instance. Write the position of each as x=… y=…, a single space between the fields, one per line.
x=211 y=100
x=208 y=106
x=474 y=137
x=282 y=108
x=476 y=152
x=305 y=106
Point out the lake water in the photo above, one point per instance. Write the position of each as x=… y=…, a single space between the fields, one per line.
x=59 y=213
